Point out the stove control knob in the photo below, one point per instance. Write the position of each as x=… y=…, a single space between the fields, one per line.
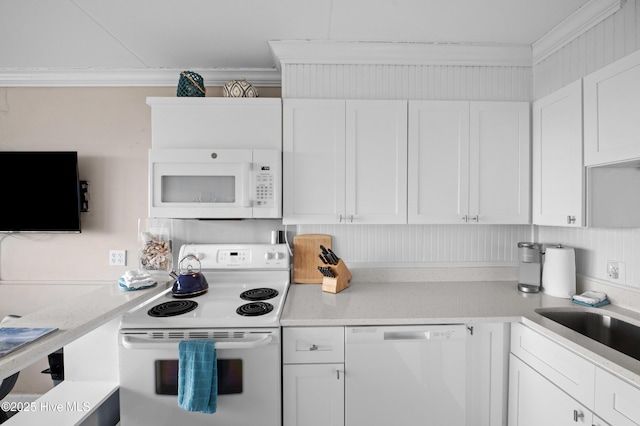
x=269 y=255
x=279 y=255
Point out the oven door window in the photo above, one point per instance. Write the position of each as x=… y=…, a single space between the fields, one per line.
x=229 y=376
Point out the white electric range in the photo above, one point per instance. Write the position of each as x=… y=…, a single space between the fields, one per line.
x=240 y=312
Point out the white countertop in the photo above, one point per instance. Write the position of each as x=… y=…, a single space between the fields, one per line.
x=394 y=303
x=74 y=317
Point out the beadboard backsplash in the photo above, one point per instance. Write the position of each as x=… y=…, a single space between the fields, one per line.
x=595 y=246
x=425 y=245
x=610 y=40
x=382 y=81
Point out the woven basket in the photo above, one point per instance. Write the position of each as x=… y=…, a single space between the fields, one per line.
x=191 y=84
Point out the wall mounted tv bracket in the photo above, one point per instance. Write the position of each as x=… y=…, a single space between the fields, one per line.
x=84 y=196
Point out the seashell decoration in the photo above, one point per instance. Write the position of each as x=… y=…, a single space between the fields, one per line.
x=156 y=253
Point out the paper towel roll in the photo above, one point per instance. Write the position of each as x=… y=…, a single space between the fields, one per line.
x=559 y=272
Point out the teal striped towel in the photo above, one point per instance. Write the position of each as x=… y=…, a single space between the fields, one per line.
x=197 y=376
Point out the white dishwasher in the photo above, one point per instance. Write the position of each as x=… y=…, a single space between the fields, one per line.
x=406 y=375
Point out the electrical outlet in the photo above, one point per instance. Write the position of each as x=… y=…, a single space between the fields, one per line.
x=117 y=257
x=616 y=271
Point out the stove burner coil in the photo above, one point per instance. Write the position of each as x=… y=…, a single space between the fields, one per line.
x=254 y=309
x=259 y=294
x=172 y=308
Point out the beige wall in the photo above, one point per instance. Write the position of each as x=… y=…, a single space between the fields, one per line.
x=110 y=129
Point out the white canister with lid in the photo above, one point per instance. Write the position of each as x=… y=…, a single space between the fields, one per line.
x=559 y=271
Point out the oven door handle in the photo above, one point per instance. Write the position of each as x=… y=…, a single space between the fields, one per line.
x=132 y=342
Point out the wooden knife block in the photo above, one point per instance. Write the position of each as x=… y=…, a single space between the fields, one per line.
x=340 y=282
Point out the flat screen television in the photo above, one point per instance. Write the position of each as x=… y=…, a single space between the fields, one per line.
x=40 y=191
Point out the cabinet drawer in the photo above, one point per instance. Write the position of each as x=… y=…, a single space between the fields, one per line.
x=567 y=370
x=302 y=345
x=616 y=400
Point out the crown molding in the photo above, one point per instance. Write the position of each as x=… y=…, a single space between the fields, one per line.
x=269 y=77
x=343 y=52
x=576 y=24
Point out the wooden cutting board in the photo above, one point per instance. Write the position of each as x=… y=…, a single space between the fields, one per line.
x=306 y=248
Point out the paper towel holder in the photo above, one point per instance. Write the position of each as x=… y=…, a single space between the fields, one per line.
x=559 y=276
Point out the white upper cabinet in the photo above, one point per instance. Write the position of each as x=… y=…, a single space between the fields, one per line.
x=211 y=122
x=469 y=162
x=313 y=161
x=438 y=161
x=558 y=173
x=611 y=105
x=500 y=187
x=344 y=161
x=376 y=165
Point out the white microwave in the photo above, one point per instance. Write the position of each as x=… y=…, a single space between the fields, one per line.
x=215 y=183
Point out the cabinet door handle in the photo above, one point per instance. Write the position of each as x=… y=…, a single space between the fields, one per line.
x=465 y=218
x=351 y=218
x=571 y=220
x=577 y=415
x=340 y=219
x=338 y=374
x=476 y=218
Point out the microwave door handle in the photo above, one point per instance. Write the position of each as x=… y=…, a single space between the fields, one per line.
x=246 y=184
x=131 y=342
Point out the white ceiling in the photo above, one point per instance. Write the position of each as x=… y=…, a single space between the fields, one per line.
x=233 y=34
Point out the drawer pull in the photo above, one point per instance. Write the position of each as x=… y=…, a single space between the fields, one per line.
x=313 y=348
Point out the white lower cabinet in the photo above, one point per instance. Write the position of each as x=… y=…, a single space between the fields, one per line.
x=552 y=385
x=616 y=400
x=535 y=401
x=437 y=374
x=567 y=370
x=597 y=421
x=313 y=394
x=313 y=376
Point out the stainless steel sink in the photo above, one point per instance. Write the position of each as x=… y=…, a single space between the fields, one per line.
x=615 y=333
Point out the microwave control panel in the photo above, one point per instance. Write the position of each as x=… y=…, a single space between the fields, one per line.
x=266 y=171
x=265 y=184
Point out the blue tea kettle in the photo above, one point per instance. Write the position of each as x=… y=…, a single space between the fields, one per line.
x=189 y=283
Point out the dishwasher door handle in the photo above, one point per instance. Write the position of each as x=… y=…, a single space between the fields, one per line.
x=406 y=335
x=390 y=334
